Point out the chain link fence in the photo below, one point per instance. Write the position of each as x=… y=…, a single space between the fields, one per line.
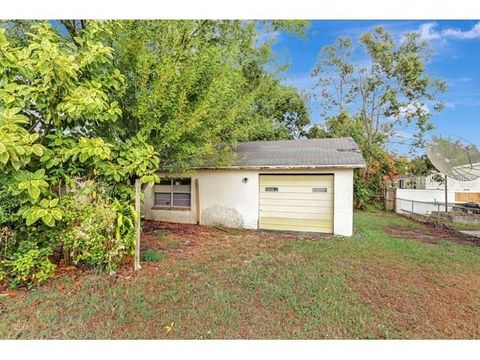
x=450 y=213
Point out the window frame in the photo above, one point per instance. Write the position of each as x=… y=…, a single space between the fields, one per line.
x=171 y=193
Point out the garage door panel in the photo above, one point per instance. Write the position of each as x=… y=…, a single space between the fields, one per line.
x=312 y=229
x=315 y=178
x=295 y=224
x=295 y=196
x=323 y=202
x=295 y=215
x=296 y=203
x=297 y=182
x=297 y=189
x=296 y=209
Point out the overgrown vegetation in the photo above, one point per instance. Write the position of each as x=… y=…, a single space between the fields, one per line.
x=85 y=113
x=87 y=110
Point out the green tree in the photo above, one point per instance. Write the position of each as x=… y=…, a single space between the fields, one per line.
x=56 y=96
x=393 y=91
x=191 y=85
x=83 y=115
x=374 y=102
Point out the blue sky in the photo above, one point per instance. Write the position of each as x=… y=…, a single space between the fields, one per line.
x=456 y=60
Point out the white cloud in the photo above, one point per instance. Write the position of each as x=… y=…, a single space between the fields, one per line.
x=428 y=31
x=414 y=109
x=473 y=33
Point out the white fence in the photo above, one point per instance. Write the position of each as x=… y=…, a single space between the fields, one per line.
x=421 y=201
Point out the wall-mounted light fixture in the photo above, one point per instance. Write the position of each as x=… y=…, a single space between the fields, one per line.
x=245 y=180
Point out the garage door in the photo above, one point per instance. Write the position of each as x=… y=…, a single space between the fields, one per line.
x=296 y=203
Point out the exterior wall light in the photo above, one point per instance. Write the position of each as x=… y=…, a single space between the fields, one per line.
x=245 y=180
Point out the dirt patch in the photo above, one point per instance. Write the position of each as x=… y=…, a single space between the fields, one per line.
x=184 y=240
x=422 y=305
x=430 y=233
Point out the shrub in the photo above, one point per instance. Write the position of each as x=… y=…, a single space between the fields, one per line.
x=30 y=264
x=94 y=239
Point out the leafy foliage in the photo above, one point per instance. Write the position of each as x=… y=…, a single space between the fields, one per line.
x=82 y=116
x=192 y=85
x=55 y=93
x=47 y=210
x=29 y=264
x=373 y=103
x=100 y=237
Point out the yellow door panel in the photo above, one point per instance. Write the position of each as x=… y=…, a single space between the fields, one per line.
x=296 y=196
x=296 y=202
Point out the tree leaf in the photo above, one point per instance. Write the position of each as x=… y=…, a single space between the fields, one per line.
x=23 y=185
x=34 y=192
x=39 y=174
x=57 y=214
x=31 y=218
x=37 y=149
x=48 y=219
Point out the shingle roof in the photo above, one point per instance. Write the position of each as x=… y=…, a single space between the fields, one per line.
x=313 y=153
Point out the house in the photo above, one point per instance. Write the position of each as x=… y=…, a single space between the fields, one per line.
x=409 y=181
x=436 y=182
x=294 y=185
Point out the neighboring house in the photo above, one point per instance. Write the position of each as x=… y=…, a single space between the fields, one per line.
x=453 y=185
x=408 y=182
x=432 y=196
x=295 y=185
x=433 y=182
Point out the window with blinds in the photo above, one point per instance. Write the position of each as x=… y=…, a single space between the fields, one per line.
x=175 y=193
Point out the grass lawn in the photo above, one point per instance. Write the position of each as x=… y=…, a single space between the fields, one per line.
x=393 y=279
x=459 y=226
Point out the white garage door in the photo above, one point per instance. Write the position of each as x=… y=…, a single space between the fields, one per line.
x=296 y=203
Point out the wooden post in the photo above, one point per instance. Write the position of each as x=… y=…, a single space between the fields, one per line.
x=197 y=201
x=137 y=225
x=446 y=193
x=394 y=199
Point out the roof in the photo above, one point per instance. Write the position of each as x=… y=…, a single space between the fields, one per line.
x=303 y=153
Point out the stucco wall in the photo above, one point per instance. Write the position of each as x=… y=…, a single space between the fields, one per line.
x=225 y=199
x=343 y=202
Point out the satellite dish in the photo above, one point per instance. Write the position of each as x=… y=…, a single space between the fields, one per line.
x=454 y=157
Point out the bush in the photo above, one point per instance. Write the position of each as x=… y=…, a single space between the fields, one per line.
x=94 y=238
x=30 y=264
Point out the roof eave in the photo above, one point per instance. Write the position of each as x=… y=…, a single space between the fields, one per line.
x=282 y=167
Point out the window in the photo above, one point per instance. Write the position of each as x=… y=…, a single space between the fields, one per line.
x=271 y=189
x=173 y=193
